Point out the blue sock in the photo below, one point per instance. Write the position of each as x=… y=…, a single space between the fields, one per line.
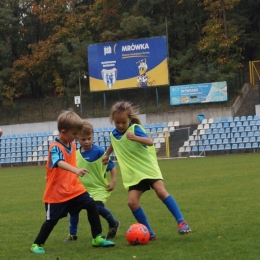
x=107 y=215
x=173 y=208
x=141 y=218
x=73 y=227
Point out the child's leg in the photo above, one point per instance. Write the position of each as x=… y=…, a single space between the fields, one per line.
x=172 y=205
x=168 y=200
x=106 y=214
x=45 y=231
x=137 y=211
x=93 y=218
x=73 y=226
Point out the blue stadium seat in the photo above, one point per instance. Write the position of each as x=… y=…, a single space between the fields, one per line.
x=255 y=145
x=210 y=136
x=208 y=131
x=257 y=133
x=249 y=134
x=234 y=146
x=225 y=141
x=256 y=117
x=227 y=130
x=223 y=120
x=164 y=124
x=243 y=134
x=258 y=122
x=158 y=124
x=245 y=123
x=152 y=125
x=236 y=119
x=254 y=128
x=247 y=128
x=212 y=141
x=252 y=122
x=230 y=119
x=221 y=147
x=146 y=126
x=241 y=129
x=243 y=118
x=241 y=146
x=216 y=120
x=207 y=148
x=224 y=135
x=245 y=140
x=248 y=145
x=214 y=131
x=227 y=147
x=249 y=118
x=214 y=147
x=219 y=141
x=219 y=125
x=252 y=139
x=221 y=130
x=239 y=140
x=206 y=142
x=239 y=123
x=234 y=130
x=213 y=125
x=194 y=148
x=226 y=124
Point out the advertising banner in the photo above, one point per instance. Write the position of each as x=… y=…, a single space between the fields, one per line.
x=198 y=93
x=137 y=63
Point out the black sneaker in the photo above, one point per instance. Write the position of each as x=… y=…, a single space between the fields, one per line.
x=70 y=238
x=113 y=230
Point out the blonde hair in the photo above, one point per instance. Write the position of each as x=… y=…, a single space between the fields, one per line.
x=125 y=106
x=69 y=120
x=87 y=129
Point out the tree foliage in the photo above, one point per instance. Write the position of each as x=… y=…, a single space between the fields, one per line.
x=43 y=42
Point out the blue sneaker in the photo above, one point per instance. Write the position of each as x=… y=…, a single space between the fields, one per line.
x=99 y=241
x=37 y=249
x=183 y=228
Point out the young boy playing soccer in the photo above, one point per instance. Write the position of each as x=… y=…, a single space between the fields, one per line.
x=90 y=156
x=64 y=193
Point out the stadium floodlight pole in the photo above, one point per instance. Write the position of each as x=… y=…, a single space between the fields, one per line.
x=80 y=104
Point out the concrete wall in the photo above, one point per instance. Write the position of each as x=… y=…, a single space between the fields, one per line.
x=189 y=117
x=184 y=117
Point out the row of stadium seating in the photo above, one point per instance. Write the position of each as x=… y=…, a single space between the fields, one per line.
x=33 y=147
x=224 y=134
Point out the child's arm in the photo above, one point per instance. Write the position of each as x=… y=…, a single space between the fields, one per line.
x=107 y=153
x=65 y=166
x=143 y=140
x=112 y=183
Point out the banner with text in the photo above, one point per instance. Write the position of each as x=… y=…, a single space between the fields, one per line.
x=128 y=64
x=198 y=93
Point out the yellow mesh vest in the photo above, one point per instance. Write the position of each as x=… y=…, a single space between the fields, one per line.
x=95 y=182
x=136 y=162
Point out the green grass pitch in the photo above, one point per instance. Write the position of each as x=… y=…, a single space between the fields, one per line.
x=218 y=196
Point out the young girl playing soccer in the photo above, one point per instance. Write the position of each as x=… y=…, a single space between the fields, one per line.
x=137 y=160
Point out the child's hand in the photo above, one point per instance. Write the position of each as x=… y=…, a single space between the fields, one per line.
x=131 y=136
x=111 y=185
x=81 y=172
x=105 y=159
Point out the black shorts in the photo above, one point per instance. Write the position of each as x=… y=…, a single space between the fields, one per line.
x=55 y=211
x=143 y=185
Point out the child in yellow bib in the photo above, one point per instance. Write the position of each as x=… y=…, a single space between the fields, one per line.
x=90 y=156
x=137 y=160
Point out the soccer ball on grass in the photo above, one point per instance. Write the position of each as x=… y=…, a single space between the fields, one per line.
x=137 y=234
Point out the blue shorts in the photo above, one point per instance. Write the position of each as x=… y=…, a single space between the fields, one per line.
x=55 y=211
